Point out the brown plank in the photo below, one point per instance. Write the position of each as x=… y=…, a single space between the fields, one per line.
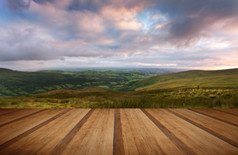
x=7 y=118
x=45 y=139
x=19 y=118
x=95 y=136
x=180 y=144
x=24 y=134
x=229 y=111
x=222 y=130
x=118 y=147
x=15 y=129
x=142 y=136
x=200 y=141
x=7 y=111
x=60 y=147
x=230 y=119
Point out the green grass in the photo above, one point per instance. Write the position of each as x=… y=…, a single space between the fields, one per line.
x=190 y=79
x=190 y=89
x=105 y=98
x=14 y=83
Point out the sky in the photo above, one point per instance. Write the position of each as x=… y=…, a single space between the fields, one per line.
x=183 y=34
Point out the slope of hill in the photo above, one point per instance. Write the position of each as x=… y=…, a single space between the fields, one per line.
x=5 y=70
x=190 y=79
x=190 y=89
x=95 y=97
x=15 y=83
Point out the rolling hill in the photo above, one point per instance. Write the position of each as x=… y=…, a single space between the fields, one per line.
x=15 y=83
x=190 y=79
x=190 y=89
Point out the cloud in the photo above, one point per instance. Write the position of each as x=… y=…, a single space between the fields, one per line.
x=18 y=4
x=189 y=19
x=134 y=32
x=27 y=41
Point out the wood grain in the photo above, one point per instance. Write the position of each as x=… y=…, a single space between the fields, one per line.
x=153 y=115
x=142 y=136
x=16 y=115
x=95 y=136
x=15 y=129
x=7 y=111
x=224 y=131
x=54 y=132
x=60 y=147
x=198 y=140
x=229 y=111
x=118 y=131
x=228 y=118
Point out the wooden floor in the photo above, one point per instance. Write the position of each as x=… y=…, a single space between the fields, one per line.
x=118 y=131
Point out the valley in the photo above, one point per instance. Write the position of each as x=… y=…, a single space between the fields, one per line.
x=119 y=89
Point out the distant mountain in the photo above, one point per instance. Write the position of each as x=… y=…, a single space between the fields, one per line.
x=188 y=79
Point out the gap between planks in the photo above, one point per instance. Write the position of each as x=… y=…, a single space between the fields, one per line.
x=169 y=134
x=214 y=133
x=17 y=138
x=226 y=112
x=15 y=120
x=118 y=146
x=11 y=111
x=214 y=117
x=67 y=139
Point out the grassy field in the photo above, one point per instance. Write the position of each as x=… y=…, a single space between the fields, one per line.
x=14 y=83
x=191 y=89
x=190 y=79
x=105 y=98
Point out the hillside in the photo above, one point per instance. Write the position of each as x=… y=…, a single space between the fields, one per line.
x=15 y=83
x=97 y=97
x=190 y=79
x=90 y=89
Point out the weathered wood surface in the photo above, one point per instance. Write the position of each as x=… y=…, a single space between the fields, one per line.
x=228 y=118
x=118 y=131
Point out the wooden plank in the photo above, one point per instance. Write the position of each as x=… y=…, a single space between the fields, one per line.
x=118 y=147
x=180 y=144
x=230 y=119
x=109 y=131
x=44 y=140
x=24 y=134
x=229 y=111
x=5 y=119
x=95 y=136
x=224 y=131
x=19 y=118
x=67 y=139
x=199 y=140
x=142 y=136
x=15 y=129
x=7 y=111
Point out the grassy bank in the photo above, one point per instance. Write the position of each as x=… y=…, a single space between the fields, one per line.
x=105 y=98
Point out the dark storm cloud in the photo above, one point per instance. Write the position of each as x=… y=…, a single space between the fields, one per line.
x=96 y=5
x=18 y=4
x=112 y=28
x=43 y=1
x=188 y=18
